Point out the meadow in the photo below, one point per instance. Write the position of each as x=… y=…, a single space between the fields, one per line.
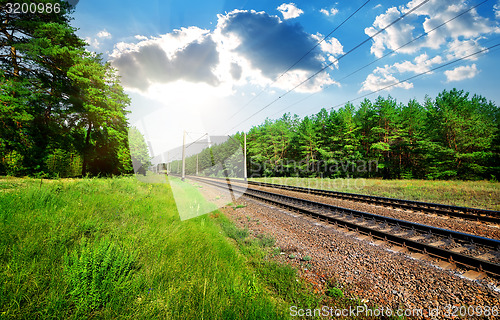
x=116 y=248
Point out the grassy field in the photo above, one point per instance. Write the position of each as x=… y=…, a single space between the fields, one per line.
x=116 y=248
x=477 y=194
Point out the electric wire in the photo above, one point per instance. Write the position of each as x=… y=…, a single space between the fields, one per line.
x=384 y=56
x=415 y=39
x=333 y=62
x=418 y=75
x=300 y=59
x=179 y=152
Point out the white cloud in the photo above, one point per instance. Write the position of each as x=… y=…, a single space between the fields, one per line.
x=103 y=34
x=454 y=39
x=461 y=73
x=381 y=78
x=149 y=63
x=93 y=43
x=170 y=42
x=264 y=46
x=246 y=47
x=496 y=9
x=332 y=47
x=434 y=13
x=462 y=48
x=422 y=64
x=289 y=10
x=331 y=12
x=393 y=37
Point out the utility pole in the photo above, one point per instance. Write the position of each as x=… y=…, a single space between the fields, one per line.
x=196 y=164
x=212 y=161
x=245 y=156
x=183 y=176
x=168 y=162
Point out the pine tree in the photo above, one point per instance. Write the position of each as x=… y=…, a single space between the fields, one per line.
x=49 y=91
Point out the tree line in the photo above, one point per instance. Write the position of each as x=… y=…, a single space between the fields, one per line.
x=454 y=136
x=62 y=108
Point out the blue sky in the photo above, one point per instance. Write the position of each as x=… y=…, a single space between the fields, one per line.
x=207 y=66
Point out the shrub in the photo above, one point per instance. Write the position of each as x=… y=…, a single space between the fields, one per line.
x=333 y=290
x=232 y=231
x=13 y=163
x=265 y=241
x=97 y=273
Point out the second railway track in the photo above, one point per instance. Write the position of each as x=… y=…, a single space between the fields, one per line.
x=475 y=214
x=470 y=251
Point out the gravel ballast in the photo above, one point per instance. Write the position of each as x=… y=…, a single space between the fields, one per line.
x=374 y=273
x=367 y=269
x=488 y=230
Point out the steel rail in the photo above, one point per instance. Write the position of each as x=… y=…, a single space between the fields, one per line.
x=346 y=217
x=442 y=209
x=467 y=213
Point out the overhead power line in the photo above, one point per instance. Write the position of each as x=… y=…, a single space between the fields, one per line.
x=387 y=54
x=415 y=39
x=300 y=59
x=317 y=44
x=333 y=62
x=189 y=145
x=418 y=75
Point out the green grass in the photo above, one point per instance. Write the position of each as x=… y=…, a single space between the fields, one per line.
x=477 y=194
x=117 y=248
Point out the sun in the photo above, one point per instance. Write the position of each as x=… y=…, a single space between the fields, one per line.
x=182 y=106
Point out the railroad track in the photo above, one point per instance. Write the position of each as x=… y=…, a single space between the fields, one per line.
x=470 y=251
x=435 y=208
x=466 y=213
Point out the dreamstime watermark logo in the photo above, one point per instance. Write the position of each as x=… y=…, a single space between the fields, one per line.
x=181 y=167
x=222 y=158
x=305 y=167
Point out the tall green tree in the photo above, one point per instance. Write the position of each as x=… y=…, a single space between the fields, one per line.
x=384 y=133
x=50 y=89
x=465 y=129
x=349 y=141
x=413 y=143
x=139 y=153
x=269 y=145
x=35 y=53
x=101 y=109
x=453 y=136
